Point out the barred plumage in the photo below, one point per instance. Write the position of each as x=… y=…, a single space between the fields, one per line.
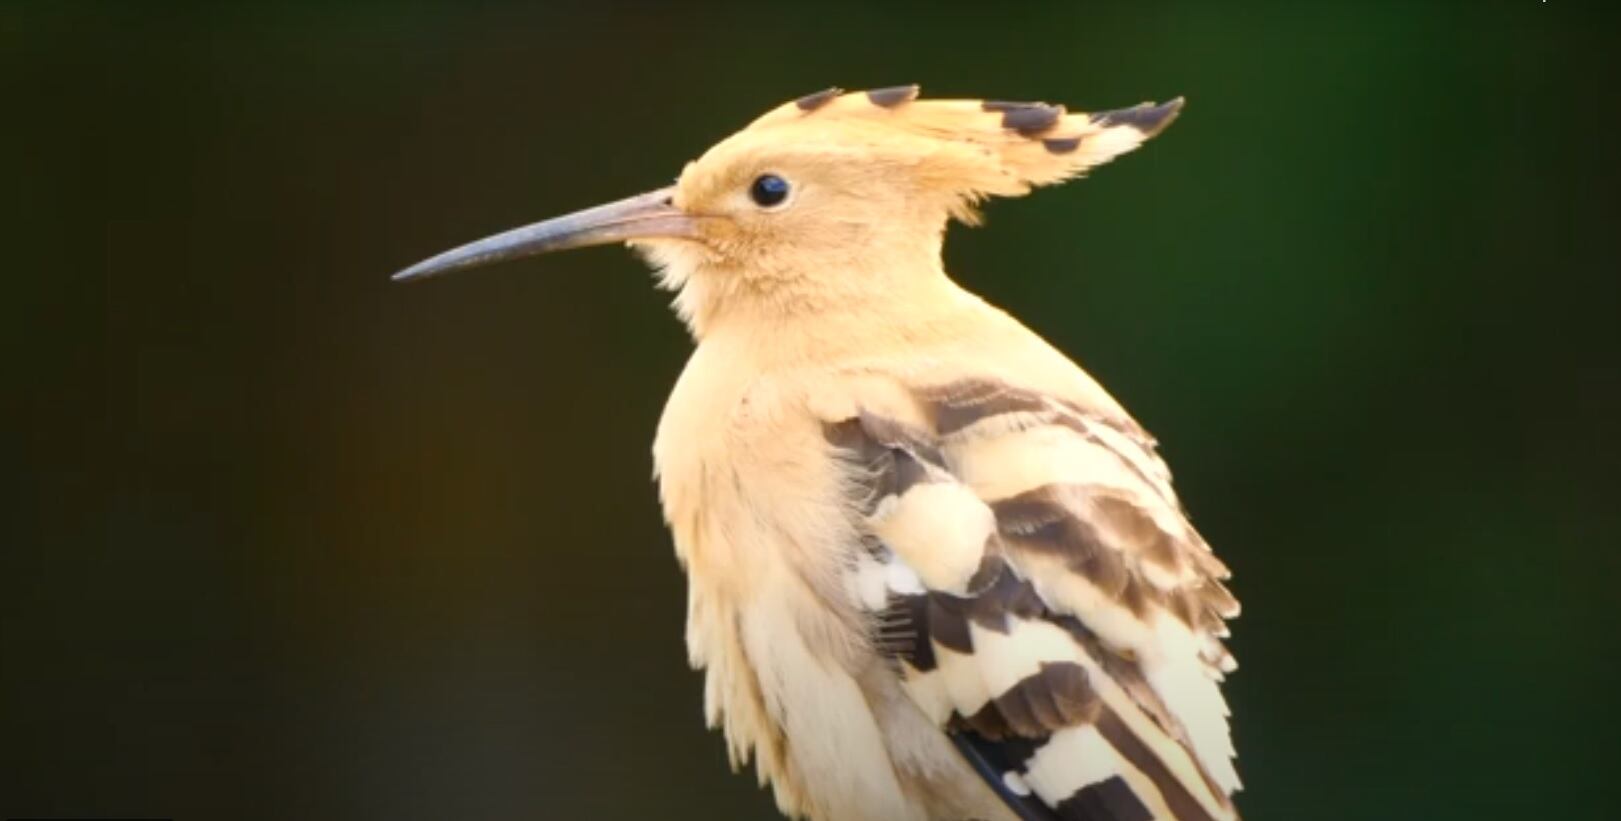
x=1044 y=672
x=936 y=571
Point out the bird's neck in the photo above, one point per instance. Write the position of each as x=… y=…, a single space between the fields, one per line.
x=851 y=289
x=790 y=326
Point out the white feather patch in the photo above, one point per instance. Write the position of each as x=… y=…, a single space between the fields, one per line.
x=1009 y=659
x=1078 y=757
x=1015 y=783
x=901 y=580
x=940 y=530
x=962 y=679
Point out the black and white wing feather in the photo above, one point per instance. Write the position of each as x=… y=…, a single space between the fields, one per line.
x=1043 y=598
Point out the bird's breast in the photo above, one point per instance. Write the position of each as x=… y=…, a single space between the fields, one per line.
x=762 y=528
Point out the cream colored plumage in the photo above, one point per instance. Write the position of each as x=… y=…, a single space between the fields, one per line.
x=936 y=571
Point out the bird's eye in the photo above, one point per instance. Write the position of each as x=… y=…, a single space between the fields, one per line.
x=768 y=190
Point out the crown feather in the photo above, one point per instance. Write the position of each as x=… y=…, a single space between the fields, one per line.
x=972 y=149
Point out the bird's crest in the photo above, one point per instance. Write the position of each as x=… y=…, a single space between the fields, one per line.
x=970 y=149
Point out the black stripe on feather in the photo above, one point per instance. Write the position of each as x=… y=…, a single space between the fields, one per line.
x=991 y=763
x=1108 y=800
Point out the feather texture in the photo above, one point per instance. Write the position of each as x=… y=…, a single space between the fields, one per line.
x=1078 y=648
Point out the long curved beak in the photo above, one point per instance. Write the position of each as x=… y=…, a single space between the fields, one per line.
x=643 y=216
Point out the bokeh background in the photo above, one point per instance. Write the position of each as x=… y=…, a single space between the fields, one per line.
x=284 y=540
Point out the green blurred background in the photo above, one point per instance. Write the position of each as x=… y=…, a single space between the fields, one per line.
x=284 y=540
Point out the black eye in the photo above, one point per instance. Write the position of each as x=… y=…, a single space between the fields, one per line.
x=768 y=190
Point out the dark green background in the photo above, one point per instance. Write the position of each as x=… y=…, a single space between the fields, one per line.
x=285 y=540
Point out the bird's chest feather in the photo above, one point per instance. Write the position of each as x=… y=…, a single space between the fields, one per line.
x=763 y=526
x=743 y=477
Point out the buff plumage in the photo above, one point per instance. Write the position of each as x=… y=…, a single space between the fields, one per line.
x=936 y=571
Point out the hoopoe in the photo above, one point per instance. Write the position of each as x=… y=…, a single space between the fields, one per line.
x=936 y=571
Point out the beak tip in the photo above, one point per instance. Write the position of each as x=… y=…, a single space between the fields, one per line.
x=421 y=270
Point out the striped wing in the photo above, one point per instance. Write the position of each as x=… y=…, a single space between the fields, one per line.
x=1031 y=575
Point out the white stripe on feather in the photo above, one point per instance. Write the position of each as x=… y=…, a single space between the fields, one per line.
x=1025 y=455
x=1167 y=652
x=1181 y=678
x=1137 y=455
x=939 y=529
x=963 y=681
x=1006 y=660
x=1071 y=592
x=1175 y=757
x=1004 y=466
x=1164 y=651
x=1077 y=757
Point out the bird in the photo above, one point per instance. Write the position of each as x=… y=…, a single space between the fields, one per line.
x=935 y=570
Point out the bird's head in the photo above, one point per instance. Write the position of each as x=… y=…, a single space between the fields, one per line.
x=831 y=199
